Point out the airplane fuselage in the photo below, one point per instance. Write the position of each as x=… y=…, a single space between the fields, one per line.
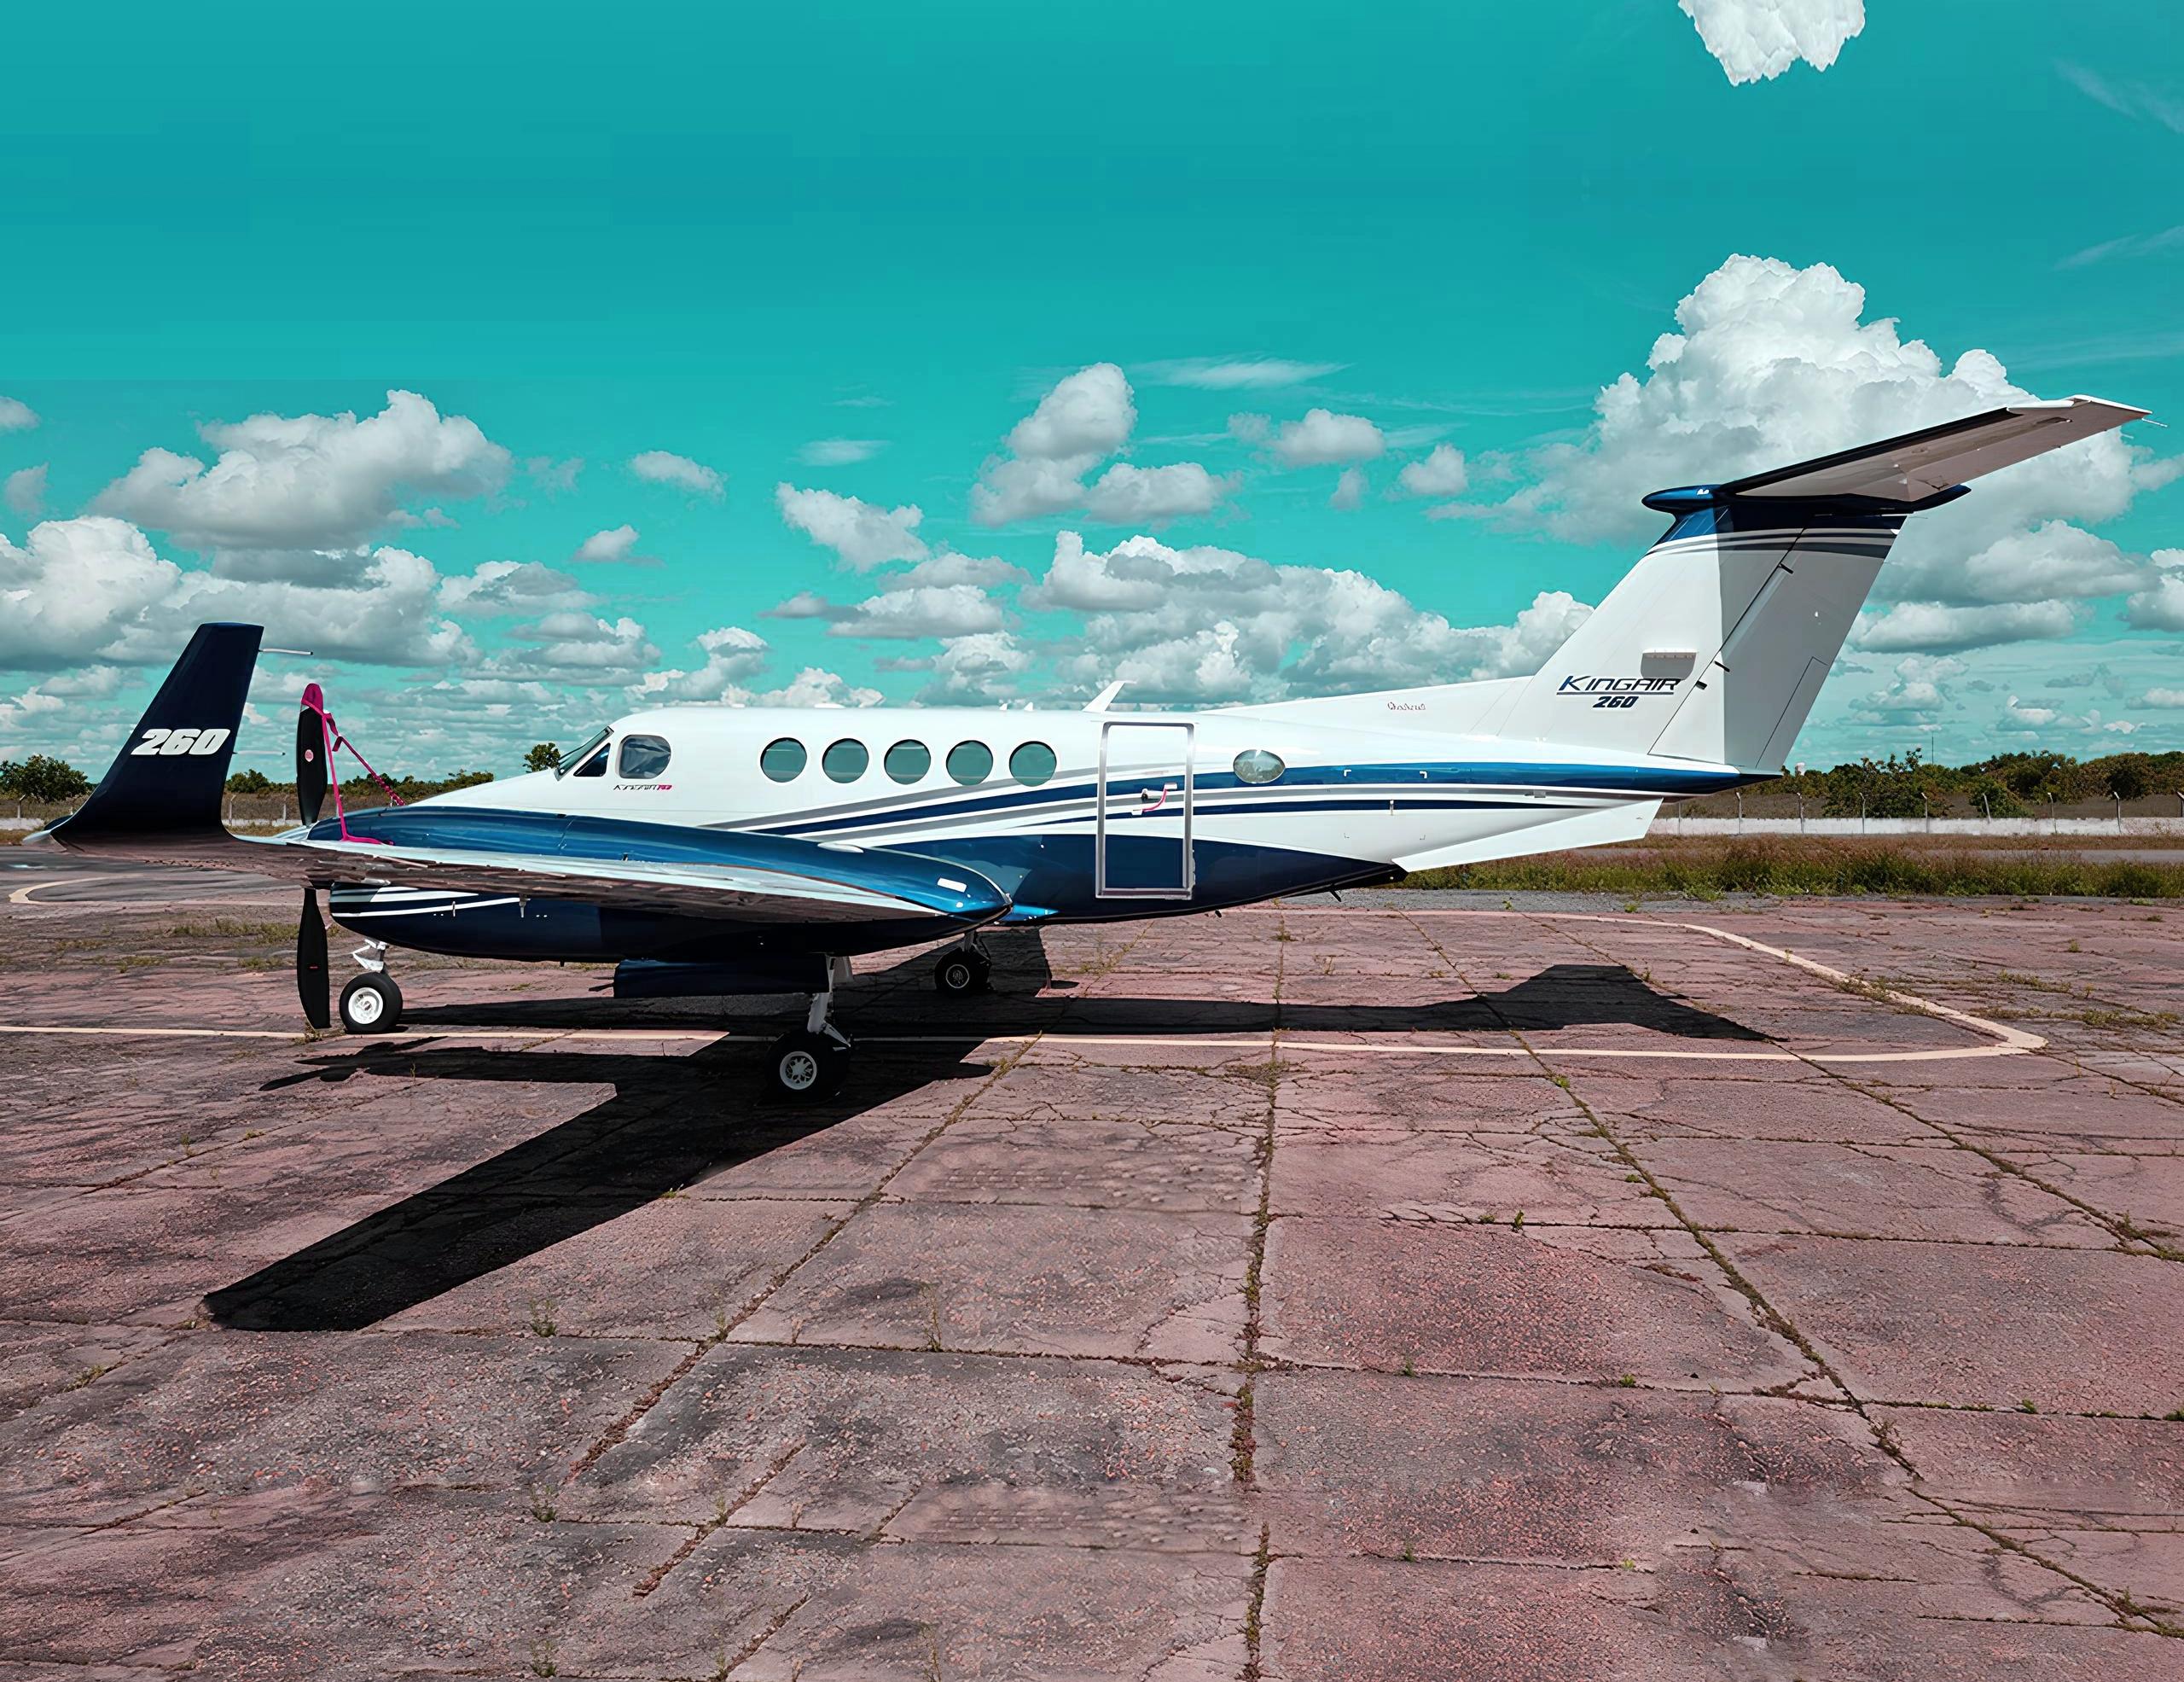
x=1075 y=816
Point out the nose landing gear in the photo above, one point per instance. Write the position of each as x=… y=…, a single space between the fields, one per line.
x=964 y=970
x=809 y=1065
x=371 y=1004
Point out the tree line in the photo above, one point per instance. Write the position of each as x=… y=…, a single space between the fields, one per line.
x=2007 y=785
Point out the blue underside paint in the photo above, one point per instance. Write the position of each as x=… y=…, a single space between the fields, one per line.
x=1051 y=876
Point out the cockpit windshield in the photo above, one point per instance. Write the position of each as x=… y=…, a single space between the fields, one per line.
x=591 y=743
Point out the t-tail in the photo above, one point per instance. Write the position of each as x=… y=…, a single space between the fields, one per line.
x=162 y=795
x=1714 y=647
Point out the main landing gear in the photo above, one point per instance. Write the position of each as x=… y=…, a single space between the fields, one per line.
x=809 y=1065
x=371 y=1004
x=962 y=970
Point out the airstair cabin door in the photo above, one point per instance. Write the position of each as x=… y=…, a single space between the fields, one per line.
x=1143 y=847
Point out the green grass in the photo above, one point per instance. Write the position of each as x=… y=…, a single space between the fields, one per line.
x=1786 y=866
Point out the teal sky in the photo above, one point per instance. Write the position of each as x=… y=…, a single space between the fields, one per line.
x=732 y=234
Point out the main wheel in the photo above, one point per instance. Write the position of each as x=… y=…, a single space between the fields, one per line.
x=806 y=1067
x=371 y=1004
x=962 y=972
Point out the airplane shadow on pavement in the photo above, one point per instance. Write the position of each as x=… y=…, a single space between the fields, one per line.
x=676 y=1120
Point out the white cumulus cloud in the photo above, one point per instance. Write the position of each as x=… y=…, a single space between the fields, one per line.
x=1208 y=623
x=25 y=493
x=1086 y=418
x=863 y=534
x=1349 y=488
x=308 y=481
x=16 y=415
x=1933 y=627
x=616 y=545
x=1125 y=495
x=1775 y=365
x=1756 y=40
x=1442 y=474
x=665 y=466
x=732 y=656
x=2160 y=605
x=1320 y=439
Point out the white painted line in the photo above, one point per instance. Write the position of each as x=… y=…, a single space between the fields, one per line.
x=2005 y=1041
x=21 y=896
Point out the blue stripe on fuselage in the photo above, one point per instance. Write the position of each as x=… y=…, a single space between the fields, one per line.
x=1631 y=782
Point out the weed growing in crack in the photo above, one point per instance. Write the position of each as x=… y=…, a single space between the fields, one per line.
x=543 y=1323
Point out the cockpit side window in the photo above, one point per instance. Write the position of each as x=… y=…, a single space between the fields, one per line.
x=582 y=756
x=595 y=765
x=643 y=758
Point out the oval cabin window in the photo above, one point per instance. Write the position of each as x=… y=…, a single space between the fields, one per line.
x=845 y=760
x=1256 y=765
x=970 y=762
x=783 y=760
x=1033 y=763
x=643 y=758
x=907 y=761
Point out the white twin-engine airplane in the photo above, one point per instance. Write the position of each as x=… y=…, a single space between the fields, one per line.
x=746 y=850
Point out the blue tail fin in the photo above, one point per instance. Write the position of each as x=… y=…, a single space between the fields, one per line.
x=167 y=781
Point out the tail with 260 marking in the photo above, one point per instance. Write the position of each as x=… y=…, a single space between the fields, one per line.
x=164 y=788
x=1714 y=646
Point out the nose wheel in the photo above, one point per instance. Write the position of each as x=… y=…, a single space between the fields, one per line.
x=961 y=971
x=371 y=1004
x=809 y=1065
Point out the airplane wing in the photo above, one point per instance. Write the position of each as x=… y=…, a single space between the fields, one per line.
x=803 y=883
x=1922 y=464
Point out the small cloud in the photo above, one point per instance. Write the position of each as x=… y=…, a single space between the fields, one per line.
x=2134 y=99
x=616 y=546
x=16 y=416
x=863 y=403
x=863 y=534
x=1931 y=627
x=1320 y=439
x=840 y=451
x=26 y=490
x=1757 y=40
x=1442 y=474
x=1127 y=495
x=1238 y=373
x=553 y=477
x=2131 y=245
x=2164 y=698
x=1349 y=489
x=664 y=467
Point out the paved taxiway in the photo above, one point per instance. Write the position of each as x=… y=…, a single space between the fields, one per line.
x=1408 y=1288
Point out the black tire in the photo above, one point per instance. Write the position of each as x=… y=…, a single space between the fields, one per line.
x=959 y=972
x=371 y=1004
x=805 y=1068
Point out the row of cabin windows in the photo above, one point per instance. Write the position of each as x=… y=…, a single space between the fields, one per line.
x=643 y=758
x=845 y=761
x=784 y=759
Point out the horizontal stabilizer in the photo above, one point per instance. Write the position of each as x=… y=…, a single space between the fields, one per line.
x=1920 y=465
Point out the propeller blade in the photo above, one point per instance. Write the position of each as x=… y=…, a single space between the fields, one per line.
x=310 y=962
x=310 y=756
